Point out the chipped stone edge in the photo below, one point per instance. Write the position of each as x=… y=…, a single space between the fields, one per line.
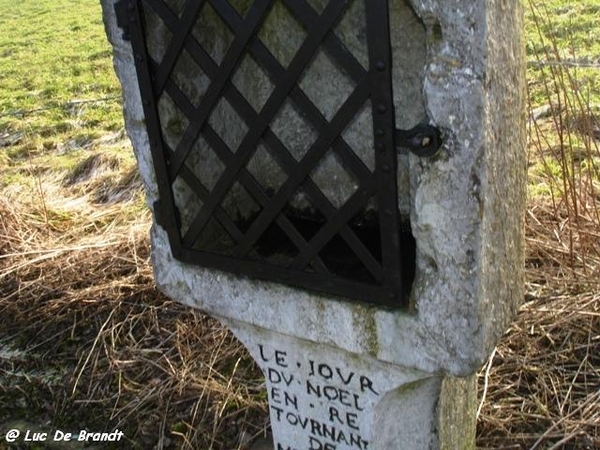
x=461 y=304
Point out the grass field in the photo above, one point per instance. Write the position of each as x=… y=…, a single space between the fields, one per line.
x=53 y=60
x=86 y=340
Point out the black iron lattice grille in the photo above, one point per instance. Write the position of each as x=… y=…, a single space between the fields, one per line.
x=272 y=133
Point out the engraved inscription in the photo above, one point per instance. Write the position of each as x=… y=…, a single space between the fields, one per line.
x=321 y=405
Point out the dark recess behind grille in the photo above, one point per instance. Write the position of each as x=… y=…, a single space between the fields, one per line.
x=355 y=245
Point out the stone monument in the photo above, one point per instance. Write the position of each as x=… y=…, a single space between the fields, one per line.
x=341 y=183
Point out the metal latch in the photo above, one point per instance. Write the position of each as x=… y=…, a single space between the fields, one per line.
x=353 y=243
x=423 y=140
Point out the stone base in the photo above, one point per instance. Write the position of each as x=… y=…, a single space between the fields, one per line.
x=324 y=398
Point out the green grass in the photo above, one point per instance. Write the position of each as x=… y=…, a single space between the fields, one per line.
x=563 y=77
x=568 y=32
x=54 y=59
x=60 y=101
x=570 y=26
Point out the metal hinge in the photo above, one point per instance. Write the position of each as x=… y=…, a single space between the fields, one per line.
x=124 y=10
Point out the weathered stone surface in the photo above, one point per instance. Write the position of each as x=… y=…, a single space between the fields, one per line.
x=323 y=398
x=466 y=206
x=346 y=375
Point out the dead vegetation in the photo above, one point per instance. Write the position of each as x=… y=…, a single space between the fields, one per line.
x=541 y=387
x=88 y=342
x=542 y=380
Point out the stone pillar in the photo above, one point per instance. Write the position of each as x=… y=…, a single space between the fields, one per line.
x=350 y=374
x=321 y=397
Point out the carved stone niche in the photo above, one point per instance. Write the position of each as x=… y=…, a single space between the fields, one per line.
x=349 y=374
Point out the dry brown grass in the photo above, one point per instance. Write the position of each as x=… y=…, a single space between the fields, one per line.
x=543 y=379
x=88 y=341
x=541 y=387
x=542 y=384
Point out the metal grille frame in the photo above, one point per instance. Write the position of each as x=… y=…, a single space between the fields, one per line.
x=391 y=266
